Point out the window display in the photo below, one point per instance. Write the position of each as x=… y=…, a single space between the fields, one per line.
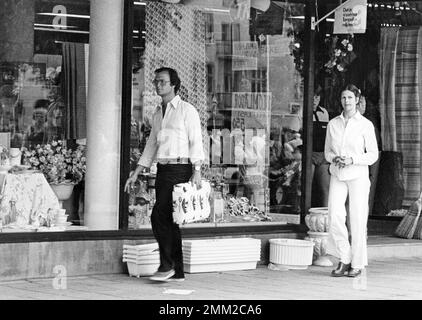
x=43 y=93
x=238 y=69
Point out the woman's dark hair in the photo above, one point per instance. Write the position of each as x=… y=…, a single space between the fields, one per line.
x=41 y=103
x=174 y=77
x=352 y=88
x=318 y=90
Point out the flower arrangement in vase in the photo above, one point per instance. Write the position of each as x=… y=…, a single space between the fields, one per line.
x=60 y=165
x=341 y=54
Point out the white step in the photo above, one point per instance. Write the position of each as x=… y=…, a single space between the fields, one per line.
x=381 y=247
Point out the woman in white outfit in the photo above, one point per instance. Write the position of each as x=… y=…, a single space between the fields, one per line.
x=350 y=147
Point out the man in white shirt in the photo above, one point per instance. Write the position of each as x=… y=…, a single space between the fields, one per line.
x=175 y=142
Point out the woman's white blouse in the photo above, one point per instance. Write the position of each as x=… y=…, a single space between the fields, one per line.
x=357 y=140
x=176 y=135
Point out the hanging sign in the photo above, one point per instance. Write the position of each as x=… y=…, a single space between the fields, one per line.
x=351 y=17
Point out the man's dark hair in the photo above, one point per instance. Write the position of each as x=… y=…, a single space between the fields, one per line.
x=174 y=77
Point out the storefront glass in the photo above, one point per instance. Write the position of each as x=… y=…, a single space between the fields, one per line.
x=44 y=48
x=239 y=66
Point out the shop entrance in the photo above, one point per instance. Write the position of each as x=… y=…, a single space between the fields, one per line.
x=385 y=63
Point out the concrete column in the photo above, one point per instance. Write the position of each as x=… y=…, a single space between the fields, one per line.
x=103 y=115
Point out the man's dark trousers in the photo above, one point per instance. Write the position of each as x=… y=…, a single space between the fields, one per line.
x=165 y=231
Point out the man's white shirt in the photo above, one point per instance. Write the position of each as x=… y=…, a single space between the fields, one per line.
x=176 y=135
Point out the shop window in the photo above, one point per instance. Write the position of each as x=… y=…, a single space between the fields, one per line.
x=384 y=63
x=43 y=93
x=243 y=84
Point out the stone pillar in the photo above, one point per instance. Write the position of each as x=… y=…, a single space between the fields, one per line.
x=317 y=222
x=104 y=115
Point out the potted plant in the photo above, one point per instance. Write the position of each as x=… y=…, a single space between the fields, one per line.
x=62 y=167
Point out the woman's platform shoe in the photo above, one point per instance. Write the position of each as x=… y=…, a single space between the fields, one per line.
x=353 y=272
x=341 y=271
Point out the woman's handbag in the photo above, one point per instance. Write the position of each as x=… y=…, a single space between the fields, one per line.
x=191 y=204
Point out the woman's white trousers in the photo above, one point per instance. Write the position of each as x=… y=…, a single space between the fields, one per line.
x=338 y=240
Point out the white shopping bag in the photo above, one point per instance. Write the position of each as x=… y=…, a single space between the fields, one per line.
x=191 y=204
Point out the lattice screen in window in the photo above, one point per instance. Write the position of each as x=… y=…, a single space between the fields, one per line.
x=175 y=38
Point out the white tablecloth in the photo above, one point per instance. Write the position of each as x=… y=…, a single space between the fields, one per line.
x=26 y=199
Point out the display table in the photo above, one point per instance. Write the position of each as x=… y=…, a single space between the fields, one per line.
x=26 y=200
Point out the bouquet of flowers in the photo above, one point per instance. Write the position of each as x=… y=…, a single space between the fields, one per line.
x=340 y=52
x=58 y=163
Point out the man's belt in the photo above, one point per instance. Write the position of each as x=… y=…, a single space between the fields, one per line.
x=174 y=161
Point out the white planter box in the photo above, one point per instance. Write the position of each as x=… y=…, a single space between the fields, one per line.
x=141 y=247
x=213 y=267
x=291 y=253
x=226 y=244
x=141 y=270
x=210 y=255
x=141 y=260
x=214 y=252
x=219 y=259
x=140 y=253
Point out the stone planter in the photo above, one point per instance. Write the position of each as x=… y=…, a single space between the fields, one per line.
x=320 y=254
x=317 y=219
x=317 y=222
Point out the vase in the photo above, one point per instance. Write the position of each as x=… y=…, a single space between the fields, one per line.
x=15 y=155
x=63 y=191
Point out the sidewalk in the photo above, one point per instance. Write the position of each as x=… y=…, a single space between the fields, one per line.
x=393 y=278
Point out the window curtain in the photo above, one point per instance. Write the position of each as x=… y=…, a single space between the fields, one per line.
x=74 y=89
x=387 y=69
x=400 y=103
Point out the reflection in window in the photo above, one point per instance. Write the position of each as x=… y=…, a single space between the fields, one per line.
x=250 y=103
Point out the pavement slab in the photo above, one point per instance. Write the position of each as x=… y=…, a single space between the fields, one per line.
x=387 y=279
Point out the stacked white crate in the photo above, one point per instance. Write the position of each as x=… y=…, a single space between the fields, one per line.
x=208 y=255
x=142 y=260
